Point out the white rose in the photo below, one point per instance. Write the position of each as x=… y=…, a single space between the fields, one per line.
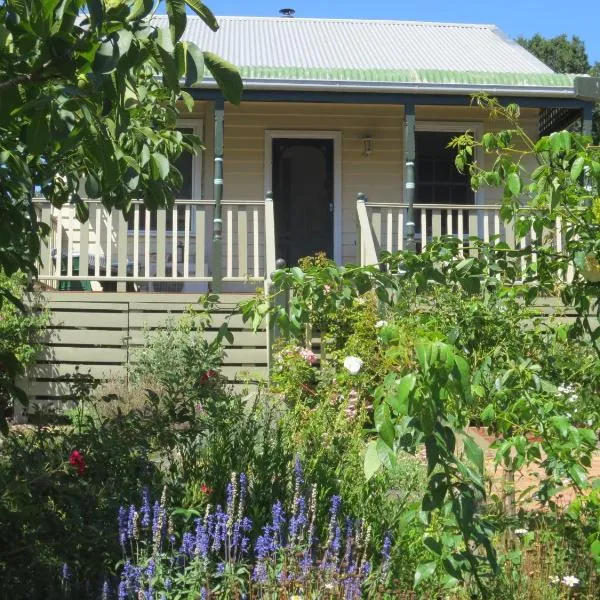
x=353 y=364
x=380 y=324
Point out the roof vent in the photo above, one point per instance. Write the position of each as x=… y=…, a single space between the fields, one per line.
x=287 y=12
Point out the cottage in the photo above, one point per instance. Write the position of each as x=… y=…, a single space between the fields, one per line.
x=332 y=109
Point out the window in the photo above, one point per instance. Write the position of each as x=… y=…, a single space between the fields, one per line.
x=190 y=168
x=438 y=181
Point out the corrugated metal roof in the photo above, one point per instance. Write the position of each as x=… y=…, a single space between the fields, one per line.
x=363 y=51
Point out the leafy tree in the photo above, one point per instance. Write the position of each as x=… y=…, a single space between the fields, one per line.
x=560 y=53
x=565 y=56
x=90 y=92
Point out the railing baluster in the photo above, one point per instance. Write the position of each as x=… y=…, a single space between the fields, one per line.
x=136 y=240
x=58 y=253
x=376 y=221
x=98 y=240
x=109 y=242
x=423 y=229
x=522 y=246
x=84 y=248
x=460 y=226
x=70 y=239
x=390 y=230
x=496 y=224
x=436 y=223
x=473 y=225
x=449 y=226
x=161 y=234
x=122 y=251
x=255 y=237
x=186 y=242
x=46 y=254
x=486 y=226
x=509 y=233
x=174 y=249
x=147 y=222
x=229 y=234
x=242 y=236
x=401 y=229
x=200 y=239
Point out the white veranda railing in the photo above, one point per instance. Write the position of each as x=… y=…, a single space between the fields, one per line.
x=159 y=250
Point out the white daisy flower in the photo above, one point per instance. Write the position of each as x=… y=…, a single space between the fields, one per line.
x=353 y=364
x=381 y=324
x=570 y=581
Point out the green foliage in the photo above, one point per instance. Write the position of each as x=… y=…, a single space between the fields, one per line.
x=565 y=56
x=19 y=340
x=560 y=53
x=90 y=93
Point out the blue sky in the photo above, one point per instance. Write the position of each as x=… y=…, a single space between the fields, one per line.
x=515 y=17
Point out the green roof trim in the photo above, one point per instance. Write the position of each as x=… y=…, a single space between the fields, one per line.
x=399 y=76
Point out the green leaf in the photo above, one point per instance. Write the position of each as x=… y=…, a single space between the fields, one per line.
x=424 y=571
x=177 y=18
x=159 y=165
x=434 y=545
x=37 y=134
x=107 y=57
x=204 y=13
x=474 y=452
x=372 y=462
x=513 y=181
x=226 y=75
x=488 y=414
x=188 y=101
x=194 y=64
x=561 y=424
x=577 y=168
x=398 y=400
x=96 y=11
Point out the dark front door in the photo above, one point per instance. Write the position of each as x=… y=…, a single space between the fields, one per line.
x=303 y=197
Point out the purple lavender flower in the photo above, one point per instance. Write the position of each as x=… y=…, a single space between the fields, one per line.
x=131 y=522
x=385 y=553
x=298 y=473
x=151 y=568
x=155 y=518
x=105 y=591
x=243 y=487
x=337 y=539
x=168 y=583
x=277 y=523
x=259 y=574
x=122 y=591
x=306 y=562
x=145 y=507
x=187 y=543
x=122 y=522
x=66 y=572
x=203 y=594
x=336 y=502
x=221 y=568
x=202 y=540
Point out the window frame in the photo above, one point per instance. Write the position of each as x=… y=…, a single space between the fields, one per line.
x=458 y=127
x=197 y=127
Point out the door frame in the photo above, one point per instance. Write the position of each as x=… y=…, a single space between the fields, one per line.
x=336 y=136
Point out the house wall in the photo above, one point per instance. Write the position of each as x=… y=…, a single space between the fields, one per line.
x=379 y=175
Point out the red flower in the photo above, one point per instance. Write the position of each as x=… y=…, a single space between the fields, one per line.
x=208 y=375
x=76 y=460
x=205 y=489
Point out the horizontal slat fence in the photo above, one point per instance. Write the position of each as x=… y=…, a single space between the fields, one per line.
x=100 y=334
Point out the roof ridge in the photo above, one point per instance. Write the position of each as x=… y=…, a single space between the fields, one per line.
x=356 y=20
